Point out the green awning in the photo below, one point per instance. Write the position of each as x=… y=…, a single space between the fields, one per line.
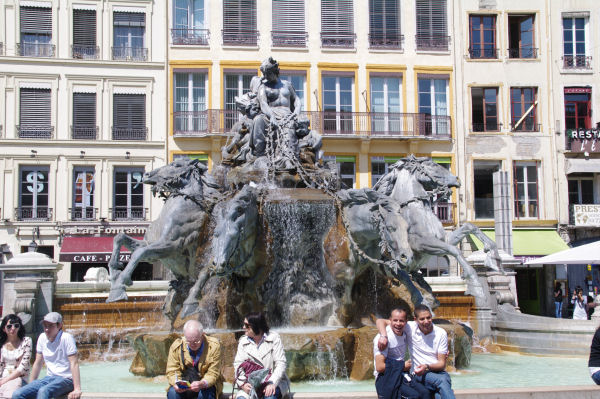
x=345 y=158
x=529 y=242
x=442 y=159
x=391 y=159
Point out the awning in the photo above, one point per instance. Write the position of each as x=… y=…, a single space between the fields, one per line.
x=582 y=166
x=90 y=249
x=534 y=242
x=581 y=255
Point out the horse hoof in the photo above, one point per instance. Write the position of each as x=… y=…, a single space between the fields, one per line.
x=117 y=294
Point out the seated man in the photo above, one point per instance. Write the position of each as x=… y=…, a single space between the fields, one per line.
x=393 y=382
x=58 y=350
x=195 y=359
x=428 y=345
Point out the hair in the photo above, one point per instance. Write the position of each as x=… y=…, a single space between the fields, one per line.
x=270 y=65
x=193 y=325
x=421 y=308
x=11 y=319
x=401 y=310
x=257 y=322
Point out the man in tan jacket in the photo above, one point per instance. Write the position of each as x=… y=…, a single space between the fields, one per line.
x=194 y=365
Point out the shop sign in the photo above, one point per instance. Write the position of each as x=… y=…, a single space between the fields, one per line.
x=584 y=140
x=104 y=230
x=586 y=215
x=93 y=258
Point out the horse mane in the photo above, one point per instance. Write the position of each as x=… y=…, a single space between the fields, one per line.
x=176 y=185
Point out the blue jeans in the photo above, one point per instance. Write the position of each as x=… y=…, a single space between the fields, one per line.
x=438 y=382
x=558 y=310
x=277 y=394
x=596 y=377
x=208 y=393
x=46 y=388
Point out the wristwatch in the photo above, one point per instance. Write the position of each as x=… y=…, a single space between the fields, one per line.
x=427 y=367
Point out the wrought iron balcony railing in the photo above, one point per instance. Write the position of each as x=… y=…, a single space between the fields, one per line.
x=36 y=49
x=289 y=38
x=33 y=213
x=84 y=132
x=35 y=132
x=483 y=53
x=444 y=211
x=124 y=133
x=487 y=127
x=338 y=39
x=433 y=43
x=184 y=36
x=124 y=213
x=240 y=37
x=526 y=126
x=83 y=52
x=577 y=62
x=389 y=40
x=523 y=52
x=81 y=213
x=130 y=53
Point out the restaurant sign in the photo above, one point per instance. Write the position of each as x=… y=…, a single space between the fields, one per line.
x=584 y=140
x=586 y=215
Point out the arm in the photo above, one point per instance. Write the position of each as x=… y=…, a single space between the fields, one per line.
x=279 y=362
x=24 y=364
x=380 y=363
x=240 y=379
x=440 y=365
x=74 y=363
x=174 y=366
x=381 y=327
x=264 y=105
x=214 y=368
x=37 y=366
x=296 y=100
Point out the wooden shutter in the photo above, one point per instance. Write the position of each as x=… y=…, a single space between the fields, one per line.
x=84 y=110
x=35 y=108
x=239 y=15
x=36 y=20
x=431 y=19
x=288 y=16
x=84 y=27
x=129 y=111
x=337 y=16
x=129 y=19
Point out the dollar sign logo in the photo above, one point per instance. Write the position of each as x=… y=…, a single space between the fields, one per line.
x=31 y=179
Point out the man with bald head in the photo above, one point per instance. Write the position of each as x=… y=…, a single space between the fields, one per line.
x=194 y=365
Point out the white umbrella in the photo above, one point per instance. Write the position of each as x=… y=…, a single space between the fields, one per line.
x=583 y=254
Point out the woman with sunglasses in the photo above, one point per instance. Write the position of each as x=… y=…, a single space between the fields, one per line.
x=15 y=355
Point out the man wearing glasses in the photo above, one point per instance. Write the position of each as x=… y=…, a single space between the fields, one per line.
x=58 y=350
x=194 y=365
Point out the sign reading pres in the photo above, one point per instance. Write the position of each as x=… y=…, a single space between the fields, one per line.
x=584 y=140
x=586 y=215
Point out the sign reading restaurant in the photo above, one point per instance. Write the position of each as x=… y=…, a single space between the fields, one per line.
x=587 y=140
x=586 y=215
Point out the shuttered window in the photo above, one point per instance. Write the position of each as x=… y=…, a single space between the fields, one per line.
x=35 y=117
x=288 y=23
x=37 y=20
x=84 y=116
x=432 y=25
x=384 y=23
x=337 y=16
x=239 y=22
x=129 y=117
x=84 y=27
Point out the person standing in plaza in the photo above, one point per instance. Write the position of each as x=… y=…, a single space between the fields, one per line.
x=579 y=302
x=57 y=349
x=558 y=299
x=15 y=355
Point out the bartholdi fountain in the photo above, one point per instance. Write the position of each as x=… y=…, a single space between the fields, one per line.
x=270 y=228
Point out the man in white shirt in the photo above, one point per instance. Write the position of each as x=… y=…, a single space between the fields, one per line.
x=58 y=350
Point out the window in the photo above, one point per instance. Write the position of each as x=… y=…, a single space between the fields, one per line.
x=384 y=24
x=33 y=193
x=574 y=36
x=190 y=102
x=380 y=167
x=83 y=194
x=432 y=25
x=578 y=108
x=346 y=167
x=521 y=40
x=338 y=94
x=84 y=34
x=203 y=158
x=129 y=117
x=433 y=103
x=581 y=190
x=34 y=114
x=337 y=23
x=385 y=104
x=128 y=194
x=188 y=22
x=129 y=30
x=483 y=185
x=239 y=23
x=526 y=189
x=288 y=23
x=523 y=108
x=36 y=32
x=484 y=101
x=84 y=116
x=483 y=36
x=298 y=80
x=235 y=85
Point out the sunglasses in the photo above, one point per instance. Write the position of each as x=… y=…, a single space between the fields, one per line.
x=16 y=325
x=246 y=325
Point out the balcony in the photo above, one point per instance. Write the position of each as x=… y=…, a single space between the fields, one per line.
x=35 y=49
x=445 y=211
x=240 y=37
x=391 y=41
x=338 y=39
x=487 y=127
x=81 y=213
x=124 y=133
x=577 y=62
x=123 y=213
x=32 y=213
x=483 y=53
x=83 y=52
x=84 y=132
x=436 y=43
x=129 y=53
x=523 y=52
x=35 y=132
x=289 y=39
x=526 y=126
x=191 y=37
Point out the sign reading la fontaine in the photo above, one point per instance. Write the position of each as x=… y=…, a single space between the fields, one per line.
x=586 y=215
x=584 y=140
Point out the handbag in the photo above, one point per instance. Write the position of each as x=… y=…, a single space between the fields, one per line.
x=256 y=375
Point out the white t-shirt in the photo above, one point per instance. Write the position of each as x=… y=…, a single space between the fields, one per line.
x=56 y=354
x=424 y=349
x=396 y=346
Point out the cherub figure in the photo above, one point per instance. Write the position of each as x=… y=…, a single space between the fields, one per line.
x=238 y=151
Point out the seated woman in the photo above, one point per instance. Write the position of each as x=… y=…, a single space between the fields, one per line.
x=15 y=355
x=265 y=349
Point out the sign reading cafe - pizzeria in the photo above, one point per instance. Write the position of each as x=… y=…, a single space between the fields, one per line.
x=584 y=140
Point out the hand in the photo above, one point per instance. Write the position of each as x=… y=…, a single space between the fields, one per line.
x=269 y=390
x=382 y=343
x=75 y=394
x=420 y=369
x=247 y=388
x=195 y=386
x=407 y=365
x=3 y=381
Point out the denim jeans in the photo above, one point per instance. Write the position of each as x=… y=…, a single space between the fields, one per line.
x=208 y=393
x=438 y=382
x=46 y=388
x=596 y=377
x=558 y=310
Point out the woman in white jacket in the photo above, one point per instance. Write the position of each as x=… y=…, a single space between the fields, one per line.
x=264 y=348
